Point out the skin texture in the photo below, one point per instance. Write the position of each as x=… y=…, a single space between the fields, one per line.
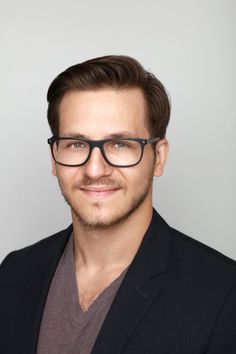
x=111 y=207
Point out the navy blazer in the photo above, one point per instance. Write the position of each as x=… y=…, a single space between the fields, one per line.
x=178 y=297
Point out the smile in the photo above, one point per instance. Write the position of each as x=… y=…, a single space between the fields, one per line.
x=99 y=192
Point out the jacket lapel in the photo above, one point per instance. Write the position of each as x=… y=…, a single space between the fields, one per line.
x=143 y=283
x=36 y=290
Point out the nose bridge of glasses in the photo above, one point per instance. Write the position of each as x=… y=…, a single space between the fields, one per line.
x=97 y=144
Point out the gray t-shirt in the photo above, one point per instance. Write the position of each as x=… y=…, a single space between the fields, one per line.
x=65 y=327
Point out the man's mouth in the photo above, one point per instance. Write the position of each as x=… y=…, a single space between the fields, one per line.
x=103 y=191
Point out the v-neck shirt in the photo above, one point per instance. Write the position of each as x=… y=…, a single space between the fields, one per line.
x=65 y=327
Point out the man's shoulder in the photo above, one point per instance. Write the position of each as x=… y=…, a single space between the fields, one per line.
x=39 y=250
x=186 y=252
x=195 y=257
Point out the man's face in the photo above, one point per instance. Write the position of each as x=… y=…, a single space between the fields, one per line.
x=101 y=195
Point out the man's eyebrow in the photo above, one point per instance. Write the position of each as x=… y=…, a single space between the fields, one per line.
x=75 y=135
x=124 y=134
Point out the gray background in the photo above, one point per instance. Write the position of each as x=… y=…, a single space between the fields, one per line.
x=189 y=45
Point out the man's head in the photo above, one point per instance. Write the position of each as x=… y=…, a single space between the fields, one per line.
x=117 y=72
x=104 y=98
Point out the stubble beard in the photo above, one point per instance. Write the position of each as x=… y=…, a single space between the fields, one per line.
x=88 y=219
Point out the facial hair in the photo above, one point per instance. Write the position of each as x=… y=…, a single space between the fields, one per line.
x=117 y=215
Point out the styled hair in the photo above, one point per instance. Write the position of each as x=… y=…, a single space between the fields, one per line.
x=112 y=71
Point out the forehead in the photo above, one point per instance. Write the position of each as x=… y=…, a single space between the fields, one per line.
x=100 y=113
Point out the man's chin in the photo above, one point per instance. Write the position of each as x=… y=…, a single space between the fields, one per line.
x=100 y=217
x=98 y=223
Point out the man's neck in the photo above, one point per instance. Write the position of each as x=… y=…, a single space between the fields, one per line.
x=114 y=248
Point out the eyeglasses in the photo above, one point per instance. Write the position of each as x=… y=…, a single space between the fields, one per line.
x=117 y=152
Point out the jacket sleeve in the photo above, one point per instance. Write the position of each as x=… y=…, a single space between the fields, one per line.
x=223 y=339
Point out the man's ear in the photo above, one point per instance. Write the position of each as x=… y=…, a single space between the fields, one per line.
x=162 y=149
x=54 y=170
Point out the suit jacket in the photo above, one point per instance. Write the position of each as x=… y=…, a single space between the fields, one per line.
x=178 y=297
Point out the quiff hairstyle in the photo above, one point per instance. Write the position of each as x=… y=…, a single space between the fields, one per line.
x=117 y=72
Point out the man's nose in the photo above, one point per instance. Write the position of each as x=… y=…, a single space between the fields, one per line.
x=96 y=166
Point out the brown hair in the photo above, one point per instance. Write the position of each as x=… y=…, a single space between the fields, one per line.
x=118 y=72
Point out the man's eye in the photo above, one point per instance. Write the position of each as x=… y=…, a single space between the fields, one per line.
x=79 y=145
x=76 y=145
x=120 y=145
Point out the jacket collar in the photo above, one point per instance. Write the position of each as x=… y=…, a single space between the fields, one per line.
x=153 y=254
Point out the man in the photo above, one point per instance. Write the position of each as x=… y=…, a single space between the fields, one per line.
x=119 y=279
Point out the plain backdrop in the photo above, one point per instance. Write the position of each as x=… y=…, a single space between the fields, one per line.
x=189 y=45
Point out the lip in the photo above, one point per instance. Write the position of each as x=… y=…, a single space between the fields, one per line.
x=99 y=192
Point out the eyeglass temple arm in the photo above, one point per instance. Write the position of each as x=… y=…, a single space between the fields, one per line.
x=153 y=140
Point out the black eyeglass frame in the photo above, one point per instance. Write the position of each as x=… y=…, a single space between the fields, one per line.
x=99 y=143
